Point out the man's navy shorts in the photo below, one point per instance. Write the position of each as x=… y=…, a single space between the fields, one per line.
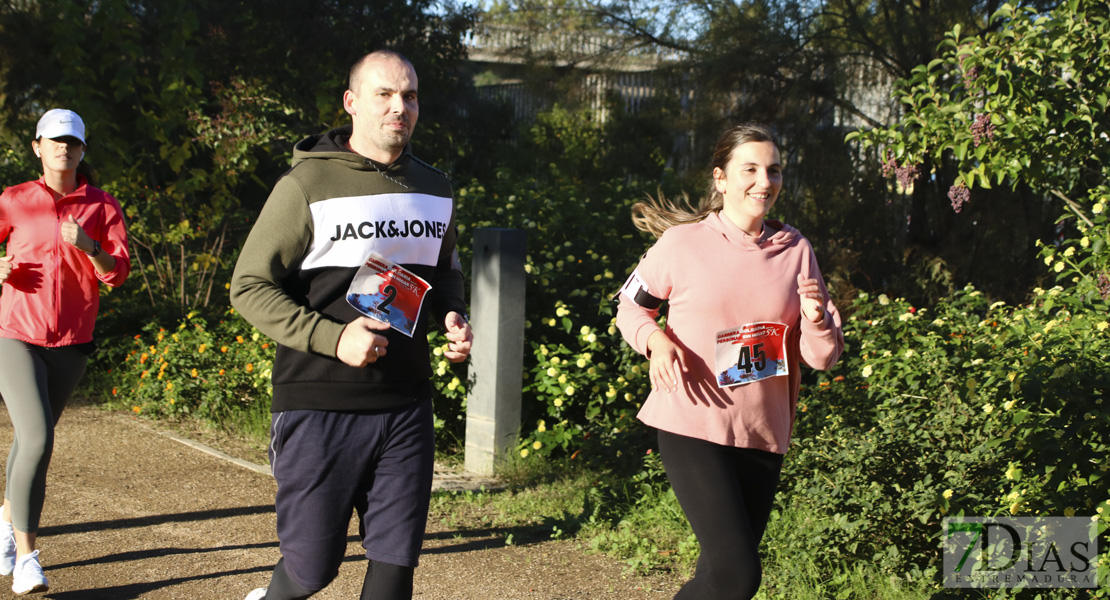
x=327 y=463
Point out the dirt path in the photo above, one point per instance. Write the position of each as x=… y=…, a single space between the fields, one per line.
x=131 y=513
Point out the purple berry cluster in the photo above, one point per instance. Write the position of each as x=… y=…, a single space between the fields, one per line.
x=982 y=128
x=958 y=194
x=906 y=174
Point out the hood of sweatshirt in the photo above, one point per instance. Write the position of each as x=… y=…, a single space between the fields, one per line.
x=333 y=146
x=776 y=237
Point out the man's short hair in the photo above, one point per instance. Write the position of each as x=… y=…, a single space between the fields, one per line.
x=354 y=78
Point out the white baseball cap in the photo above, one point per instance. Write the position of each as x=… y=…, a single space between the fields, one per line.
x=59 y=122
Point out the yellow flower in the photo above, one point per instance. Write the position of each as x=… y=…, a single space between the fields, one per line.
x=883 y=300
x=988 y=408
x=524 y=453
x=557 y=402
x=136 y=409
x=1015 y=507
x=169 y=386
x=867 y=371
x=1048 y=260
x=239 y=339
x=1011 y=376
x=612 y=330
x=201 y=349
x=1008 y=404
x=223 y=349
x=542 y=427
x=591 y=338
x=909 y=353
x=537 y=445
x=581 y=364
x=569 y=390
x=249 y=367
x=947 y=493
x=1102 y=326
x=1085 y=242
x=1098 y=208
x=1069 y=252
x=585 y=330
x=561 y=312
x=1058 y=267
x=562 y=379
x=552 y=371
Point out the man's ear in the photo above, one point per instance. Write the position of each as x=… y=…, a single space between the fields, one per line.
x=349 y=102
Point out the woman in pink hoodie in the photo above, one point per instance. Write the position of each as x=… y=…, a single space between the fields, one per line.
x=746 y=306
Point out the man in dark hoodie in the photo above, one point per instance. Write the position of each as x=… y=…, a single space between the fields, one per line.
x=352 y=415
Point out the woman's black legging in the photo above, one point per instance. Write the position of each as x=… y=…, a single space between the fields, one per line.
x=726 y=494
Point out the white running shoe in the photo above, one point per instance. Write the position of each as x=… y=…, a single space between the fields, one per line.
x=7 y=548
x=28 y=577
x=259 y=594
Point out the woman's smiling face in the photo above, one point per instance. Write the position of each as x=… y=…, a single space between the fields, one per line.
x=750 y=183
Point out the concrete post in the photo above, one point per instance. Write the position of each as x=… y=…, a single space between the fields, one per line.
x=497 y=359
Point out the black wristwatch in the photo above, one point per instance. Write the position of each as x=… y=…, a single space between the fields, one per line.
x=96 y=250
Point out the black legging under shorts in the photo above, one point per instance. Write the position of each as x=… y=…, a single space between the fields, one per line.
x=726 y=493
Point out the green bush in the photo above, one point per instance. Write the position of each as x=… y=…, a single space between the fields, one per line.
x=970 y=408
x=199 y=368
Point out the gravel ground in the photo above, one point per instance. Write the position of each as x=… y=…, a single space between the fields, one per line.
x=132 y=513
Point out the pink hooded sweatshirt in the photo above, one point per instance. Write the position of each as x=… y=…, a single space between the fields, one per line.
x=716 y=280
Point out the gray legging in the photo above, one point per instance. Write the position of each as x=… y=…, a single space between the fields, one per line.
x=35 y=383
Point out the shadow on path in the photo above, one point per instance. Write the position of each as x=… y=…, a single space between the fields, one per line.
x=200 y=515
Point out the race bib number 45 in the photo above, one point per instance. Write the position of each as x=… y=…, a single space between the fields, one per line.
x=751 y=352
x=388 y=292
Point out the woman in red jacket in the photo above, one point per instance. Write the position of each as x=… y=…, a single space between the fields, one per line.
x=63 y=236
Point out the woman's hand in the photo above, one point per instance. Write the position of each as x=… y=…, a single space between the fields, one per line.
x=73 y=235
x=668 y=362
x=5 y=268
x=813 y=301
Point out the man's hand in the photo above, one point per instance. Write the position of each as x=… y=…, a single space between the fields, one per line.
x=5 y=268
x=459 y=337
x=73 y=235
x=359 y=345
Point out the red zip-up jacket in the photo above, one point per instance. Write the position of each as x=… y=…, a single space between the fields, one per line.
x=52 y=295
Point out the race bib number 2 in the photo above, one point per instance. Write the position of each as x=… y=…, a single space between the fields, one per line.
x=751 y=352
x=388 y=292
